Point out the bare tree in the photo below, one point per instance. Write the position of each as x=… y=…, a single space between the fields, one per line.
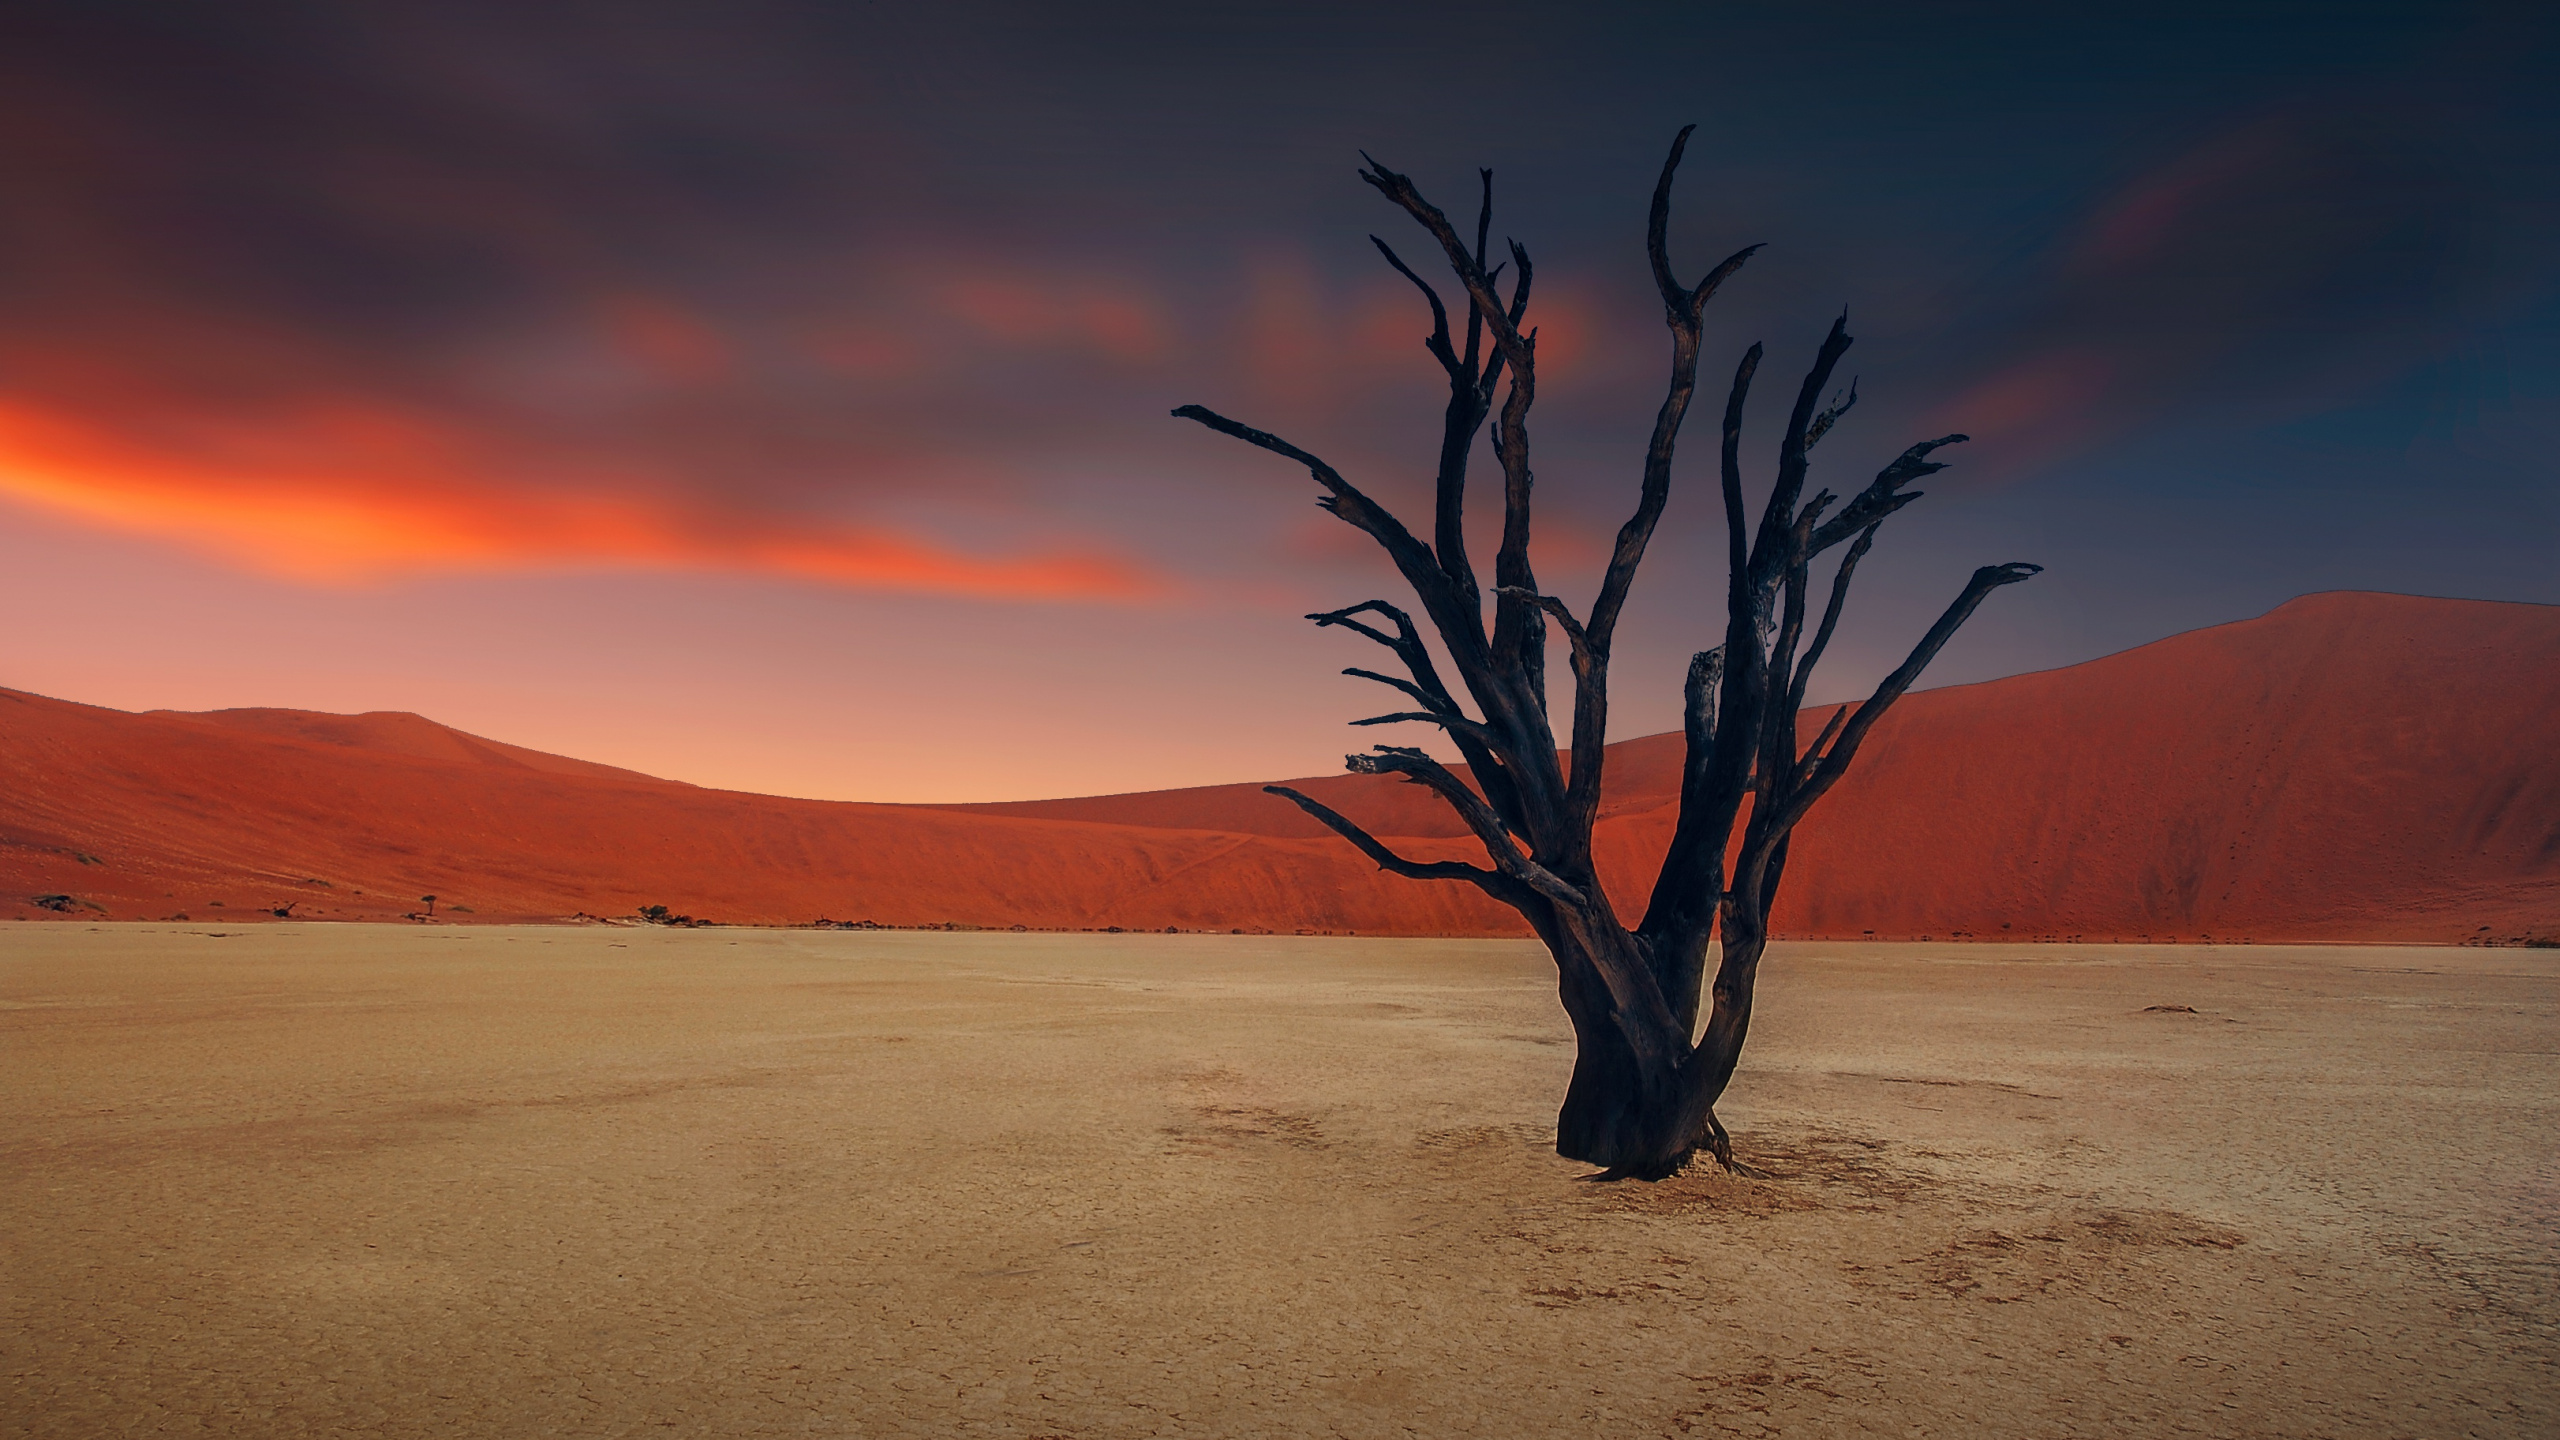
x=1643 y=1094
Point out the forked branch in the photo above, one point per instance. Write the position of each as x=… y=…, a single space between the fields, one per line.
x=1406 y=643
x=1885 y=494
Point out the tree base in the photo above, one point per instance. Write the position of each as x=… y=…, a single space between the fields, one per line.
x=1716 y=1142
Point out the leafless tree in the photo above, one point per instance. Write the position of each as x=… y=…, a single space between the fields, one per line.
x=1643 y=1095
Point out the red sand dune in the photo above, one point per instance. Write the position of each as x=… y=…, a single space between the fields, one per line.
x=2348 y=767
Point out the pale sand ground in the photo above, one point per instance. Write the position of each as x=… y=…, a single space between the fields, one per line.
x=517 y=1182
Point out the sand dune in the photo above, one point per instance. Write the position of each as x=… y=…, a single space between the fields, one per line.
x=155 y=814
x=397 y=732
x=2348 y=767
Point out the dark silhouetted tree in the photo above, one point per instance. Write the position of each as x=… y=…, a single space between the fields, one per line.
x=1643 y=1095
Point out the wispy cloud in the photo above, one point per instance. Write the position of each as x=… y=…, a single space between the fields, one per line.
x=2280 y=267
x=342 y=500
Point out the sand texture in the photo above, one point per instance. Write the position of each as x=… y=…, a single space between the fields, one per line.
x=494 y=1181
x=2351 y=767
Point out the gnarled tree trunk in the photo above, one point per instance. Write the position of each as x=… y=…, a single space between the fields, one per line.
x=1643 y=1094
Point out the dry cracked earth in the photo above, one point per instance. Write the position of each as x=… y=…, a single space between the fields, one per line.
x=443 y=1181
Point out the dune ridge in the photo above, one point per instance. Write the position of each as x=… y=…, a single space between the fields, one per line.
x=2350 y=766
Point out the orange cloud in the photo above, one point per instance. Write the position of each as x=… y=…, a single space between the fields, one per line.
x=303 y=503
x=1122 y=325
x=669 y=339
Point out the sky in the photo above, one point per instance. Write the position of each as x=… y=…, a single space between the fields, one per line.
x=774 y=395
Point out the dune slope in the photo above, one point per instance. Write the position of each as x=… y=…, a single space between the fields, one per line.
x=2348 y=767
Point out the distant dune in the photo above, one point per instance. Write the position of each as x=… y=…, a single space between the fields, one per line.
x=2348 y=767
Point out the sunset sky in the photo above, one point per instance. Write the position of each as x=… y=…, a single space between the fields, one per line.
x=773 y=395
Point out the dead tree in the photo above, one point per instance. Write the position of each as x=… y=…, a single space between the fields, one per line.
x=1643 y=1094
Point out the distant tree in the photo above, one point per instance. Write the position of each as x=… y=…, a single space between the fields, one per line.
x=1642 y=1098
x=430 y=902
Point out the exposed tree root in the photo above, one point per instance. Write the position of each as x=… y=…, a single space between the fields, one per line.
x=1720 y=1145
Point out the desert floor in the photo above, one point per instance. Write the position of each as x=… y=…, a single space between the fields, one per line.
x=303 y=1179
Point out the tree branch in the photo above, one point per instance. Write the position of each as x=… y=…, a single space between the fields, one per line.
x=1456 y=725
x=1822 y=423
x=1479 y=742
x=1590 y=729
x=1681 y=306
x=1891 y=688
x=1454 y=611
x=1420 y=769
x=1500 y=319
x=1517 y=653
x=1421 y=570
x=1881 y=497
x=1406 y=643
x=1475 y=317
x=1573 y=631
x=1683 y=310
x=1492 y=883
x=1830 y=616
x=1469 y=402
x=1805 y=766
x=1438 y=344
x=1681 y=909
x=1407 y=686
x=1698 y=709
x=1518 y=639
x=1657 y=230
x=1736 y=520
x=1519 y=310
x=1777 y=727
x=1780 y=514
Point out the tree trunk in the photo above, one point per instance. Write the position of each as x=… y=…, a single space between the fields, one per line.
x=1617 y=1115
x=1628 y=1108
x=1633 y=1114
